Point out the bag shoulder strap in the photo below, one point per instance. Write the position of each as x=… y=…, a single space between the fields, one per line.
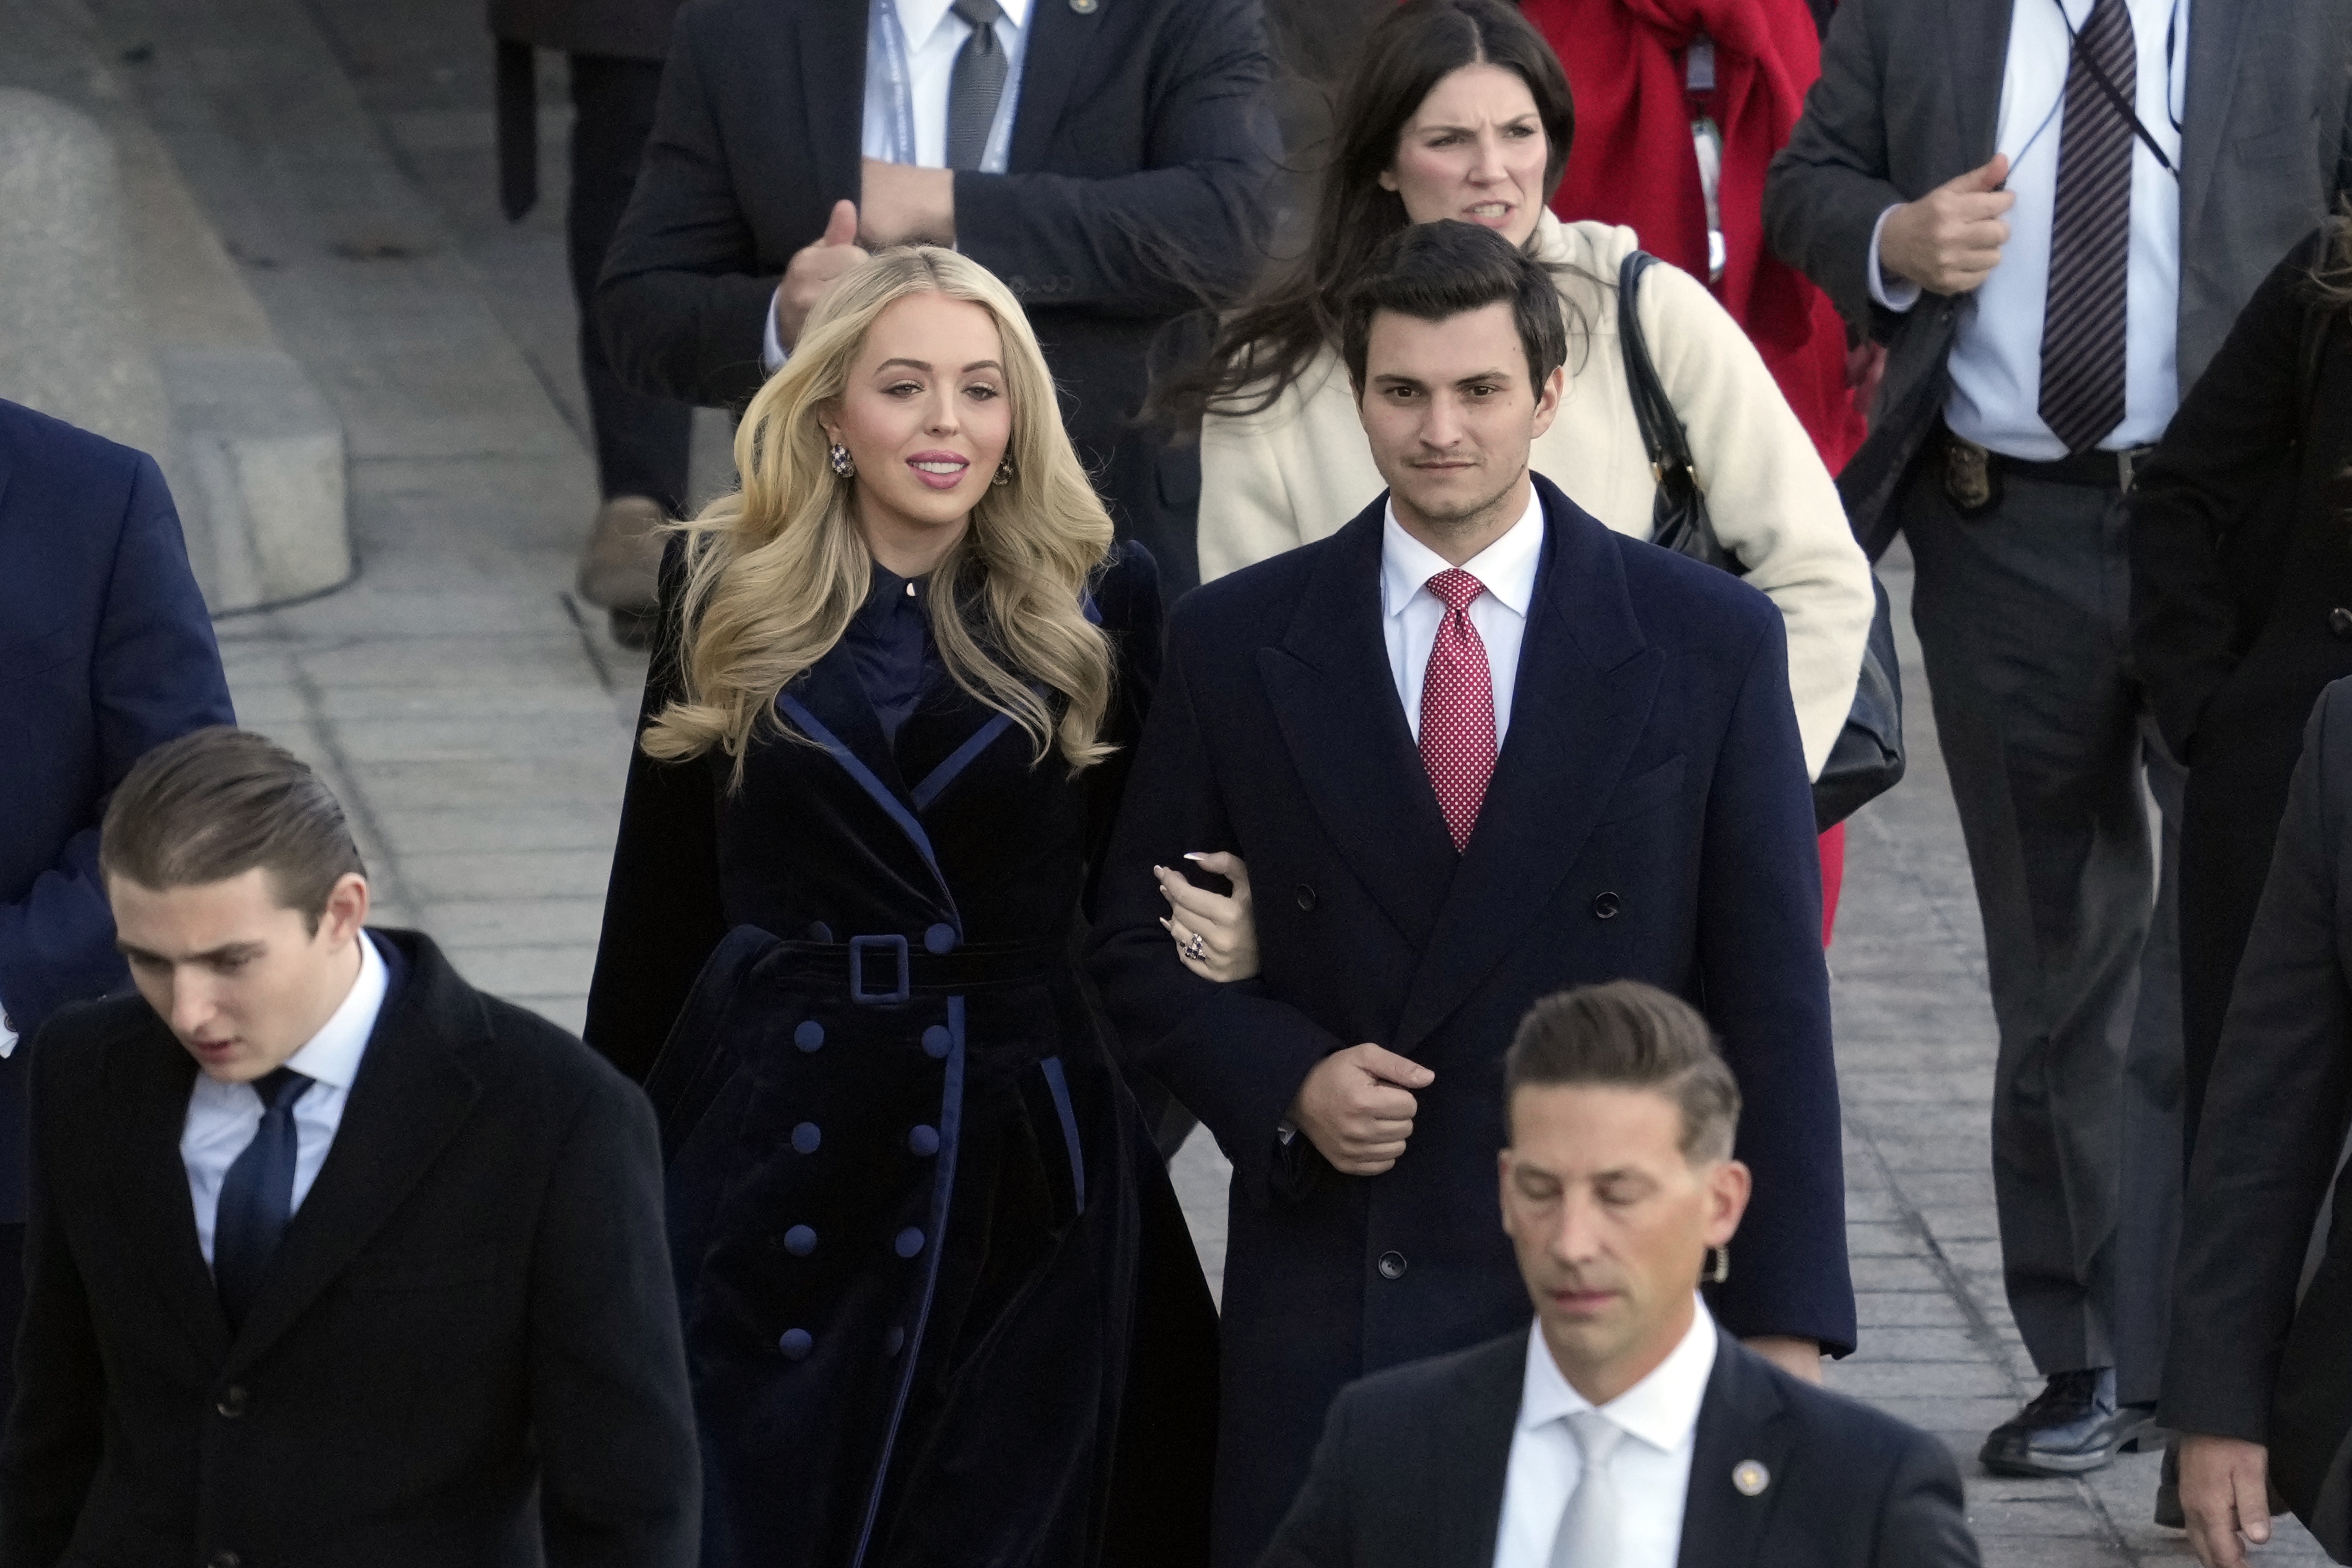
x=1662 y=428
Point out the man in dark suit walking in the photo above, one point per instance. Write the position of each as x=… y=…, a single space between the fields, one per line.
x=332 y=1258
x=106 y=650
x=1106 y=158
x=2050 y=211
x=1624 y=1428
x=1473 y=747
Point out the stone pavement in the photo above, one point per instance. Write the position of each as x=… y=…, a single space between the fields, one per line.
x=476 y=719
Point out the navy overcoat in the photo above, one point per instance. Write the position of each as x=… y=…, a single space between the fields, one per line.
x=1649 y=817
x=939 y=1302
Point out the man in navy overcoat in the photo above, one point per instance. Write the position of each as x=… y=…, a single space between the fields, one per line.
x=1647 y=815
x=106 y=651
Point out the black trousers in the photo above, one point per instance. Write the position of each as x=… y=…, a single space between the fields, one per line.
x=641 y=441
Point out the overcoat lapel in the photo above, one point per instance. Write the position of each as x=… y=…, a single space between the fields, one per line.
x=1335 y=705
x=148 y=1078
x=2214 y=34
x=1741 y=1420
x=1051 y=59
x=1480 y=1424
x=1976 y=41
x=1586 y=680
x=832 y=36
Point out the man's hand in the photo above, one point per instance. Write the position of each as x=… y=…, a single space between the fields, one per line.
x=907 y=206
x=813 y=270
x=1355 y=1107
x=2225 y=1492
x=1798 y=1358
x=1950 y=239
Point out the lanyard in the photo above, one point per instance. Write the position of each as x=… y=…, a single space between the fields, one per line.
x=2113 y=94
x=885 y=44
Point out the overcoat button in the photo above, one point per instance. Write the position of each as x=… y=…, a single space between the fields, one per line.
x=800 y=1241
x=939 y=939
x=820 y=932
x=1392 y=1264
x=232 y=1402
x=796 y=1343
x=224 y=1560
x=894 y=1341
x=806 y=1137
x=2339 y=621
x=1605 y=907
x=809 y=1036
x=1305 y=895
x=909 y=1242
x=935 y=1041
x=924 y=1141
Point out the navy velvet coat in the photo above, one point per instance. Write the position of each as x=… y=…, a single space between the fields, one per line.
x=1649 y=817
x=940 y=1301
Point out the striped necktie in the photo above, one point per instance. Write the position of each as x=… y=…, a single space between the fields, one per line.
x=2082 y=340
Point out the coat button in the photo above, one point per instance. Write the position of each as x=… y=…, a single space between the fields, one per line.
x=2339 y=621
x=809 y=1036
x=935 y=1040
x=232 y=1401
x=800 y=1241
x=894 y=1341
x=939 y=939
x=1392 y=1264
x=224 y=1560
x=1605 y=907
x=806 y=1137
x=819 y=932
x=909 y=1242
x=924 y=1141
x=1305 y=895
x=796 y=1343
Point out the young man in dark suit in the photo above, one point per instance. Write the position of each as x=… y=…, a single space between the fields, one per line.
x=1107 y=159
x=1624 y=1428
x=332 y=1258
x=1473 y=747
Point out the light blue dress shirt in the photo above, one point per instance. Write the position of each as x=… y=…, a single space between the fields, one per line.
x=1996 y=360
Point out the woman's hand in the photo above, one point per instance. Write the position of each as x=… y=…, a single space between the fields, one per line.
x=1215 y=936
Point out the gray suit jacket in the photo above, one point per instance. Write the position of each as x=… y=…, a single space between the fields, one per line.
x=1906 y=100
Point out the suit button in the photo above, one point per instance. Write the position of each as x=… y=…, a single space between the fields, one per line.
x=819 y=932
x=1605 y=907
x=796 y=1343
x=809 y=1036
x=924 y=1141
x=936 y=1041
x=800 y=1241
x=907 y=1242
x=224 y=1560
x=232 y=1402
x=939 y=939
x=1392 y=1264
x=2339 y=621
x=808 y=1137
x=1305 y=895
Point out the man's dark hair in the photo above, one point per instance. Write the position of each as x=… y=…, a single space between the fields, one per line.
x=1627 y=1034
x=1435 y=271
x=216 y=803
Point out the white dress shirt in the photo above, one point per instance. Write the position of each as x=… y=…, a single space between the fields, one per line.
x=1659 y=1416
x=1996 y=361
x=1410 y=613
x=910 y=54
x=224 y=1117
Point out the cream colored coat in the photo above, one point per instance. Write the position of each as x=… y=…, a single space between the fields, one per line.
x=1302 y=468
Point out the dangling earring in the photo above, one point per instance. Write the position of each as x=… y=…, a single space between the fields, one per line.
x=1718 y=1266
x=839 y=457
x=1004 y=472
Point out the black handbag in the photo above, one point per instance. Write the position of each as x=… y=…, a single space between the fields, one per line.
x=1867 y=760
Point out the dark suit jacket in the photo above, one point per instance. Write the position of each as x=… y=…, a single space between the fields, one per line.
x=1412 y=1466
x=106 y=651
x=1907 y=102
x=1649 y=817
x=468 y=1341
x=2245 y=1360
x=1139 y=150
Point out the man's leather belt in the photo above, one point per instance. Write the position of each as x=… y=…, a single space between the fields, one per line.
x=2097 y=470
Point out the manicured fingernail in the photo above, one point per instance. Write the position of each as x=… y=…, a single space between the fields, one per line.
x=1196 y=855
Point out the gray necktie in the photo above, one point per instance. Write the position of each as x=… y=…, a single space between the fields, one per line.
x=1587 y=1525
x=2083 y=333
x=980 y=68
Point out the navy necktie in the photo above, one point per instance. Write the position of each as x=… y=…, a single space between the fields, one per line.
x=256 y=1199
x=2083 y=357
x=978 y=81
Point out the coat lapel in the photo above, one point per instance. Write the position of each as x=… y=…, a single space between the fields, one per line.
x=149 y=1077
x=1481 y=1423
x=1976 y=35
x=1336 y=704
x=415 y=1091
x=1586 y=680
x=833 y=87
x=1053 y=58
x=2215 y=32
x=1741 y=1422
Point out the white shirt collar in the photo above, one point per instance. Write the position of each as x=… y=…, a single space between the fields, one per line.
x=1507 y=567
x=918 y=19
x=1662 y=1410
x=333 y=1054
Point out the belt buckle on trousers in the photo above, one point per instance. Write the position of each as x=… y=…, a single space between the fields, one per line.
x=1971 y=482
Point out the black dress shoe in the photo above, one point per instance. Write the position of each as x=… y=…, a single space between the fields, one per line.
x=2072 y=1426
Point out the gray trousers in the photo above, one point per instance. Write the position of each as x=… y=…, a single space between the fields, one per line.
x=2023 y=612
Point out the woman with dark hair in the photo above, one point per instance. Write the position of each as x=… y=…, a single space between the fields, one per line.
x=1459 y=110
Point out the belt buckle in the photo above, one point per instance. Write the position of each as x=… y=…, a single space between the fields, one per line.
x=2128 y=462
x=858 y=945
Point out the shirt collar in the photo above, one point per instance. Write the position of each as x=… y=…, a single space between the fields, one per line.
x=918 y=19
x=332 y=1056
x=1662 y=1410
x=1507 y=567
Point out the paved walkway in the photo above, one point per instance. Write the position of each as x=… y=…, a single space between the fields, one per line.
x=477 y=721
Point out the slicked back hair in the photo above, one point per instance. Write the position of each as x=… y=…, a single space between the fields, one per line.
x=217 y=803
x=1627 y=1034
x=1436 y=271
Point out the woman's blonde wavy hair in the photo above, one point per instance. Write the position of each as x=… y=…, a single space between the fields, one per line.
x=776 y=570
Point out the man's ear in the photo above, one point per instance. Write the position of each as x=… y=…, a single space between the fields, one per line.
x=1728 y=1183
x=1555 y=388
x=346 y=909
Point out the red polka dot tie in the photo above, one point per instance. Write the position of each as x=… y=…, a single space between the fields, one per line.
x=1457 y=708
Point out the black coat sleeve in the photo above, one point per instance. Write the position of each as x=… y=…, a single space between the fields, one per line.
x=2274 y=1119
x=1320 y=1530
x=2208 y=484
x=1128 y=598
x=620 y=1478
x=1826 y=188
x=1923 y=1516
x=662 y=914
